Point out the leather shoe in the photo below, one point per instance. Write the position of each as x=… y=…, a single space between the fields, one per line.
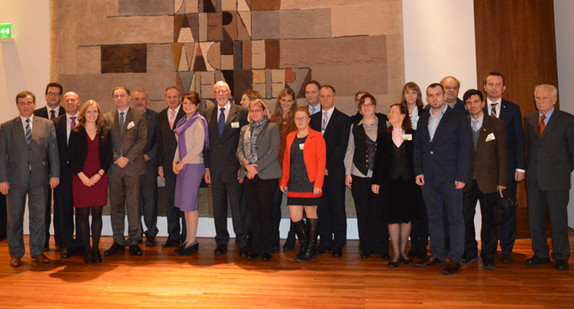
x=394 y=264
x=150 y=241
x=40 y=258
x=96 y=257
x=534 y=261
x=365 y=255
x=170 y=243
x=15 y=262
x=562 y=265
x=220 y=250
x=66 y=253
x=384 y=256
x=430 y=261
x=115 y=248
x=507 y=258
x=488 y=265
x=337 y=252
x=265 y=257
x=252 y=256
x=407 y=261
x=135 y=250
x=468 y=260
x=322 y=249
x=451 y=268
x=244 y=253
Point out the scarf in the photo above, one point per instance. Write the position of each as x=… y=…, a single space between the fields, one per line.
x=250 y=139
x=182 y=125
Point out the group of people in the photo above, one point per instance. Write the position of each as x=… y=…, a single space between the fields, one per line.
x=416 y=172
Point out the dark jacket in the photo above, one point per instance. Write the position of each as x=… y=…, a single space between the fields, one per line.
x=78 y=149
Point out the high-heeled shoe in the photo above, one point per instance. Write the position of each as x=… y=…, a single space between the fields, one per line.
x=88 y=259
x=96 y=257
x=181 y=248
x=194 y=248
x=406 y=261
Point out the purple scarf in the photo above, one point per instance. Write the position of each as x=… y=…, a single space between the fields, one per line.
x=180 y=129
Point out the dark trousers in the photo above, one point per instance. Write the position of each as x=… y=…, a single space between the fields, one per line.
x=125 y=194
x=276 y=214
x=556 y=203
x=373 y=232
x=175 y=228
x=3 y=223
x=16 y=202
x=221 y=192
x=64 y=212
x=149 y=199
x=331 y=213
x=508 y=218
x=488 y=233
x=420 y=232
x=440 y=197
x=259 y=195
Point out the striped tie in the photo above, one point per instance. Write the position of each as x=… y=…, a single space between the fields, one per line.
x=493 y=109
x=28 y=131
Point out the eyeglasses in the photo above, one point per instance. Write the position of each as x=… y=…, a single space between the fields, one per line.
x=301 y=118
x=54 y=93
x=255 y=110
x=221 y=91
x=368 y=105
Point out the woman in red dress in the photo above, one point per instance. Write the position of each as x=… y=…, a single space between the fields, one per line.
x=90 y=156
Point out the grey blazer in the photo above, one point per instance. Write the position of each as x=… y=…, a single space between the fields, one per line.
x=267 y=149
x=129 y=143
x=550 y=156
x=24 y=164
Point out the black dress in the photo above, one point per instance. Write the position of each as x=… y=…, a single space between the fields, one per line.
x=300 y=188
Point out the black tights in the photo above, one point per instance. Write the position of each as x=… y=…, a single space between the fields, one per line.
x=83 y=225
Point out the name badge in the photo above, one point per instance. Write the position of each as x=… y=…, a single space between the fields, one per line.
x=301 y=146
x=490 y=137
x=235 y=125
x=131 y=125
x=407 y=137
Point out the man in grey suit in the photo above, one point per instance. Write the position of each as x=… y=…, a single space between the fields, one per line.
x=550 y=144
x=149 y=182
x=29 y=164
x=129 y=133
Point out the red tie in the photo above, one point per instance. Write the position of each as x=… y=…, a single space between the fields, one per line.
x=542 y=125
x=52 y=114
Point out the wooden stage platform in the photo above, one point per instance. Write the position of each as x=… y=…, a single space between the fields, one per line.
x=161 y=279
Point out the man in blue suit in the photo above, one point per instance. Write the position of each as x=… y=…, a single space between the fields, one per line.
x=441 y=158
x=496 y=106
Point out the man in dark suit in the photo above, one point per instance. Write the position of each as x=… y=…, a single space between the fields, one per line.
x=53 y=95
x=63 y=201
x=224 y=123
x=334 y=125
x=487 y=178
x=128 y=129
x=550 y=144
x=441 y=161
x=167 y=144
x=149 y=182
x=29 y=164
x=494 y=86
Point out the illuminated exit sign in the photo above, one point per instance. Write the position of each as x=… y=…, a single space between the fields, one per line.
x=5 y=30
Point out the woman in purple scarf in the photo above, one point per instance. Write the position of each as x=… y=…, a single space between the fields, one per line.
x=192 y=137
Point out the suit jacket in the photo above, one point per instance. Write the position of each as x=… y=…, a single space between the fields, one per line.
x=78 y=149
x=60 y=124
x=447 y=157
x=512 y=117
x=221 y=158
x=489 y=162
x=550 y=156
x=267 y=149
x=43 y=112
x=166 y=142
x=382 y=170
x=26 y=164
x=336 y=137
x=151 y=145
x=128 y=143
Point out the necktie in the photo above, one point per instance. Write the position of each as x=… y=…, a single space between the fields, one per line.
x=324 y=124
x=474 y=125
x=52 y=114
x=542 y=125
x=221 y=120
x=73 y=122
x=493 y=109
x=28 y=131
x=171 y=118
x=122 y=121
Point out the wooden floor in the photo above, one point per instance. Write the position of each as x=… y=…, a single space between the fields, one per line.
x=160 y=279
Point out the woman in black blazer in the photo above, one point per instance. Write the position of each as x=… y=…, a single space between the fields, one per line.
x=90 y=156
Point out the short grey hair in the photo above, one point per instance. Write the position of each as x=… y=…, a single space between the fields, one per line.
x=552 y=87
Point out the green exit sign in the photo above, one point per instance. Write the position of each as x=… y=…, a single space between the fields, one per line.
x=5 y=30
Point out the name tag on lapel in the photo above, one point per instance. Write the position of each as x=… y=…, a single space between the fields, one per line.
x=235 y=125
x=490 y=137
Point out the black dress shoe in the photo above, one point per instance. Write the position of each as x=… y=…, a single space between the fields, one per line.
x=365 y=255
x=189 y=250
x=252 y=256
x=394 y=264
x=451 y=268
x=337 y=252
x=534 y=261
x=244 y=253
x=507 y=258
x=562 y=265
x=88 y=259
x=115 y=248
x=66 y=253
x=407 y=261
x=468 y=260
x=384 y=256
x=150 y=241
x=220 y=250
x=265 y=257
x=96 y=257
x=488 y=265
x=430 y=261
x=170 y=243
x=135 y=250
x=322 y=249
